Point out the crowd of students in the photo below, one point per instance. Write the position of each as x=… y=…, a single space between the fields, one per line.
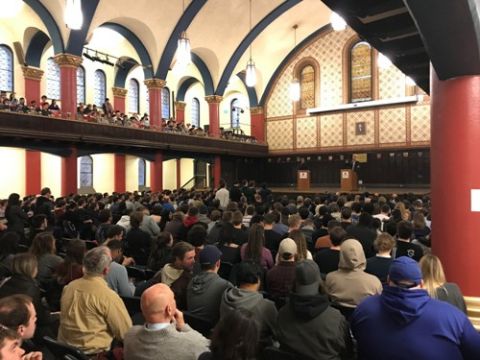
x=255 y=273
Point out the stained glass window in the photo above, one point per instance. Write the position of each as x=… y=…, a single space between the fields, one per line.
x=147 y=101
x=86 y=171
x=141 y=172
x=99 y=88
x=235 y=113
x=195 y=112
x=6 y=69
x=166 y=103
x=53 y=79
x=361 y=72
x=80 y=85
x=133 y=94
x=307 y=87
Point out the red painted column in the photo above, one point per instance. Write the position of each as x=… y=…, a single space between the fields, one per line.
x=119 y=173
x=257 y=123
x=69 y=173
x=217 y=171
x=119 y=95
x=33 y=172
x=455 y=137
x=214 y=114
x=179 y=173
x=33 y=78
x=180 y=111
x=155 y=87
x=156 y=173
x=68 y=88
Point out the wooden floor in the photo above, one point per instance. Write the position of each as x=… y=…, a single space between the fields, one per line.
x=373 y=189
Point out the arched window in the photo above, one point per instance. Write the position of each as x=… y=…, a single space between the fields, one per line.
x=195 y=112
x=235 y=113
x=80 y=85
x=166 y=103
x=361 y=72
x=147 y=100
x=133 y=94
x=307 y=87
x=99 y=88
x=142 y=167
x=53 y=79
x=86 y=171
x=6 y=68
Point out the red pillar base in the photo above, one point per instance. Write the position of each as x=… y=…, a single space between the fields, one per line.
x=257 y=123
x=69 y=173
x=455 y=129
x=68 y=91
x=120 y=176
x=33 y=172
x=180 y=111
x=119 y=95
x=214 y=115
x=33 y=78
x=156 y=173
x=155 y=87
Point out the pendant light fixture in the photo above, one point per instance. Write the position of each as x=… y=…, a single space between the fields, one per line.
x=184 y=51
x=338 y=24
x=295 y=84
x=73 y=14
x=250 y=72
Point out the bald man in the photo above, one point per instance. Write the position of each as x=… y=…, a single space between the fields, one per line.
x=165 y=335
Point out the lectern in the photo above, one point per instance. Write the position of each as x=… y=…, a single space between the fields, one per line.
x=303 y=179
x=348 y=180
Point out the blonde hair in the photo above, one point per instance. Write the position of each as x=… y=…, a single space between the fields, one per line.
x=403 y=210
x=433 y=274
x=299 y=239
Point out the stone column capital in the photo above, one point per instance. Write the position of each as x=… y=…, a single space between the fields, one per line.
x=256 y=110
x=68 y=60
x=117 y=91
x=180 y=105
x=213 y=99
x=155 y=83
x=32 y=73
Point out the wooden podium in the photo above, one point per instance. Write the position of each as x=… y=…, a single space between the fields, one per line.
x=348 y=180
x=303 y=180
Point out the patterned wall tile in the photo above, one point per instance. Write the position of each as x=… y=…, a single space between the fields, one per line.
x=391 y=83
x=307 y=132
x=420 y=123
x=366 y=117
x=392 y=124
x=280 y=134
x=331 y=130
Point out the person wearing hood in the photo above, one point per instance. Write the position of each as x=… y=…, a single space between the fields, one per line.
x=307 y=325
x=350 y=284
x=205 y=290
x=246 y=296
x=404 y=322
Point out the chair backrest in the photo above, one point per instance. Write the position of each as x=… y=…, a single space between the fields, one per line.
x=132 y=303
x=136 y=273
x=203 y=326
x=273 y=353
x=60 y=350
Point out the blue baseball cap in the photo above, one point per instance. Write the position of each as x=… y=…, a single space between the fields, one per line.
x=405 y=269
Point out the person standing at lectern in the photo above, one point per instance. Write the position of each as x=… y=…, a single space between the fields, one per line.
x=355 y=163
x=303 y=165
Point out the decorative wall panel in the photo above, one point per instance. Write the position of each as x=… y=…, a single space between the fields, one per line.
x=420 y=123
x=307 y=132
x=331 y=130
x=280 y=134
x=391 y=83
x=392 y=125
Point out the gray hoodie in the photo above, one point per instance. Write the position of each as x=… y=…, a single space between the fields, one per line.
x=350 y=284
x=263 y=310
x=204 y=294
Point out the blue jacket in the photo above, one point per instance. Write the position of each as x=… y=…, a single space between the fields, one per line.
x=408 y=324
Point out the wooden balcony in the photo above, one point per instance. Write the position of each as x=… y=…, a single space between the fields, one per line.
x=24 y=129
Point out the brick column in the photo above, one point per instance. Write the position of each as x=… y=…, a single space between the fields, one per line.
x=156 y=173
x=119 y=95
x=180 y=111
x=33 y=78
x=257 y=123
x=155 y=87
x=33 y=172
x=69 y=173
x=119 y=173
x=214 y=114
x=68 y=87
